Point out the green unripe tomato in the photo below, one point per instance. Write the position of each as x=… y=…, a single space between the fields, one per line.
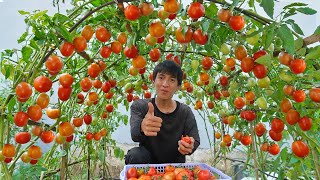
x=251 y=82
x=194 y=64
x=264 y=82
x=225 y=49
x=262 y=103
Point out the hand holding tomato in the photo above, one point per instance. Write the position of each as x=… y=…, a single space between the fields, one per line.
x=186 y=145
x=151 y=124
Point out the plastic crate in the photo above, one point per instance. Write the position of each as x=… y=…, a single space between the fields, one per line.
x=161 y=167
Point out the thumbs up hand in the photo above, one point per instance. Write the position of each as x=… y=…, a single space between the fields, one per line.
x=151 y=124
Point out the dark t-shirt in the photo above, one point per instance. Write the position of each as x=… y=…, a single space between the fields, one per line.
x=164 y=146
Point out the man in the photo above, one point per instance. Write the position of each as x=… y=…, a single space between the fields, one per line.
x=158 y=123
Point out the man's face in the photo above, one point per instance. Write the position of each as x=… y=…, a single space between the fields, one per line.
x=166 y=85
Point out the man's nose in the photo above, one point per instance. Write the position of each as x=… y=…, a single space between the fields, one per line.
x=165 y=82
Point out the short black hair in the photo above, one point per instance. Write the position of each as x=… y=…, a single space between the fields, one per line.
x=169 y=67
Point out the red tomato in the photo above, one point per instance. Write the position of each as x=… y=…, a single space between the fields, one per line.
x=66 y=80
x=34 y=112
x=132 y=172
x=131 y=52
x=206 y=62
x=80 y=43
x=314 y=94
x=186 y=139
x=200 y=38
x=102 y=34
x=183 y=175
x=105 y=51
x=246 y=140
x=285 y=105
x=305 y=123
x=260 y=129
x=85 y=84
x=152 y=171
x=66 y=48
x=8 y=150
x=21 y=119
x=275 y=136
x=22 y=137
x=247 y=64
x=300 y=149
x=277 y=125
x=42 y=84
x=64 y=93
x=132 y=12
x=299 y=95
x=89 y=136
x=258 y=54
x=47 y=136
x=109 y=107
x=298 y=66
x=274 y=149
x=260 y=71
x=224 y=15
x=237 y=23
x=23 y=91
x=66 y=129
x=196 y=10
x=34 y=152
x=94 y=70
x=171 y=6
x=204 y=174
x=54 y=64
x=154 y=54
x=87 y=119
x=292 y=117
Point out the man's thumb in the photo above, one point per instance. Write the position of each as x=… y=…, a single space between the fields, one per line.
x=151 y=108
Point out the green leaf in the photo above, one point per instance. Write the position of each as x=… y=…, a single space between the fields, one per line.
x=11 y=104
x=295 y=26
x=205 y=26
x=235 y=3
x=26 y=53
x=64 y=32
x=62 y=153
x=23 y=37
x=60 y=19
x=34 y=44
x=291 y=12
x=211 y=10
x=298 y=43
x=23 y=12
x=269 y=36
x=251 y=3
x=287 y=38
x=301 y=52
x=268 y=6
x=155 y=3
x=307 y=10
x=265 y=60
x=317 y=31
x=39 y=14
x=96 y=3
x=314 y=53
x=295 y=4
x=284 y=154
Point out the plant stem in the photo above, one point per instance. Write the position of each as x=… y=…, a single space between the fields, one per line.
x=64 y=163
x=254 y=150
x=316 y=162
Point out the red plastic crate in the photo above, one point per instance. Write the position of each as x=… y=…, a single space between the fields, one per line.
x=161 y=167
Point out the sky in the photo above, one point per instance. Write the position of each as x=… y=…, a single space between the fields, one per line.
x=12 y=26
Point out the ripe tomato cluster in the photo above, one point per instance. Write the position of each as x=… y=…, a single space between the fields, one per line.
x=236 y=23
x=170 y=173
